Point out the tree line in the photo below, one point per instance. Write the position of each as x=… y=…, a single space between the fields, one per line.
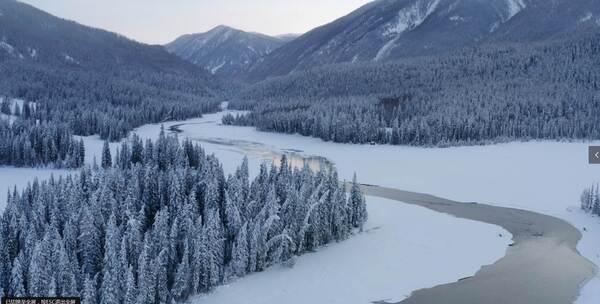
x=60 y=104
x=26 y=142
x=590 y=200
x=105 y=103
x=160 y=221
x=473 y=96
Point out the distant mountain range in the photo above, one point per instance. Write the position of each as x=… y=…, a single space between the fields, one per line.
x=226 y=51
x=387 y=30
x=381 y=31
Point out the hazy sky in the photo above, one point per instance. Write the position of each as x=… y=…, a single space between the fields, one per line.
x=160 y=21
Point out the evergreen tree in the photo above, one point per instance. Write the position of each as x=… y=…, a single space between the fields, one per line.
x=111 y=290
x=5 y=267
x=90 y=240
x=358 y=208
x=89 y=291
x=106 y=156
x=239 y=256
x=17 y=279
x=130 y=288
x=181 y=285
x=146 y=275
x=39 y=269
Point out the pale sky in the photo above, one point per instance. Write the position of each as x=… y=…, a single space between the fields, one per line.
x=161 y=21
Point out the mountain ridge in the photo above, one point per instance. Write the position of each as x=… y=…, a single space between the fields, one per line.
x=224 y=50
x=387 y=30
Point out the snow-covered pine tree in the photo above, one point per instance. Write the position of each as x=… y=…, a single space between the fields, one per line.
x=239 y=254
x=90 y=295
x=5 y=266
x=106 y=156
x=112 y=272
x=182 y=280
x=16 y=286
x=39 y=268
x=130 y=296
x=163 y=273
x=358 y=208
x=146 y=274
x=66 y=278
x=90 y=239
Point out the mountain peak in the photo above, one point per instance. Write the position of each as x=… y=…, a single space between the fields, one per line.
x=223 y=28
x=224 y=50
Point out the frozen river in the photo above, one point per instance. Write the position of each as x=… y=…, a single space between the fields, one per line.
x=409 y=248
x=542 y=265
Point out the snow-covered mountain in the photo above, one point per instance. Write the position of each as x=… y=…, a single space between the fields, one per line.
x=390 y=29
x=224 y=50
x=32 y=36
x=43 y=57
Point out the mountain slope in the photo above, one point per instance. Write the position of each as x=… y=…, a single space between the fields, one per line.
x=492 y=93
x=29 y=36
x=224 y=50
x=391 y=29
x=96 y=81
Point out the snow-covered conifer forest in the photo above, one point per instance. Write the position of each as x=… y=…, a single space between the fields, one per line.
x=162 y=222
x=491 y=94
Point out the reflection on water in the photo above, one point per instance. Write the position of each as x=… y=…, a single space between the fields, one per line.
x=295 y=159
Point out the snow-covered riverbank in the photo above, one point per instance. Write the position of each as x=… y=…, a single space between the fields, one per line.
x=402 y=249
x=546 y=177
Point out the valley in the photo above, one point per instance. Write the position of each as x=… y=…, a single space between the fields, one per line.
x=390 y=222
x=405 y=151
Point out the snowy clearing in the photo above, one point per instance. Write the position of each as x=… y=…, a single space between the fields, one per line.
x=400 y=250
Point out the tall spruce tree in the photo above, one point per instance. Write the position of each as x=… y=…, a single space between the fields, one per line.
x=106 y=156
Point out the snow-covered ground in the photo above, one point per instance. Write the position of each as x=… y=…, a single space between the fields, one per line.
x=93 y=148
x=406 y=248
x=402 y=249
x=546 y=177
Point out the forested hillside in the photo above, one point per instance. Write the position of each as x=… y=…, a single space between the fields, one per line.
x=476 y=95
x=95 y=81
x=160 y=222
